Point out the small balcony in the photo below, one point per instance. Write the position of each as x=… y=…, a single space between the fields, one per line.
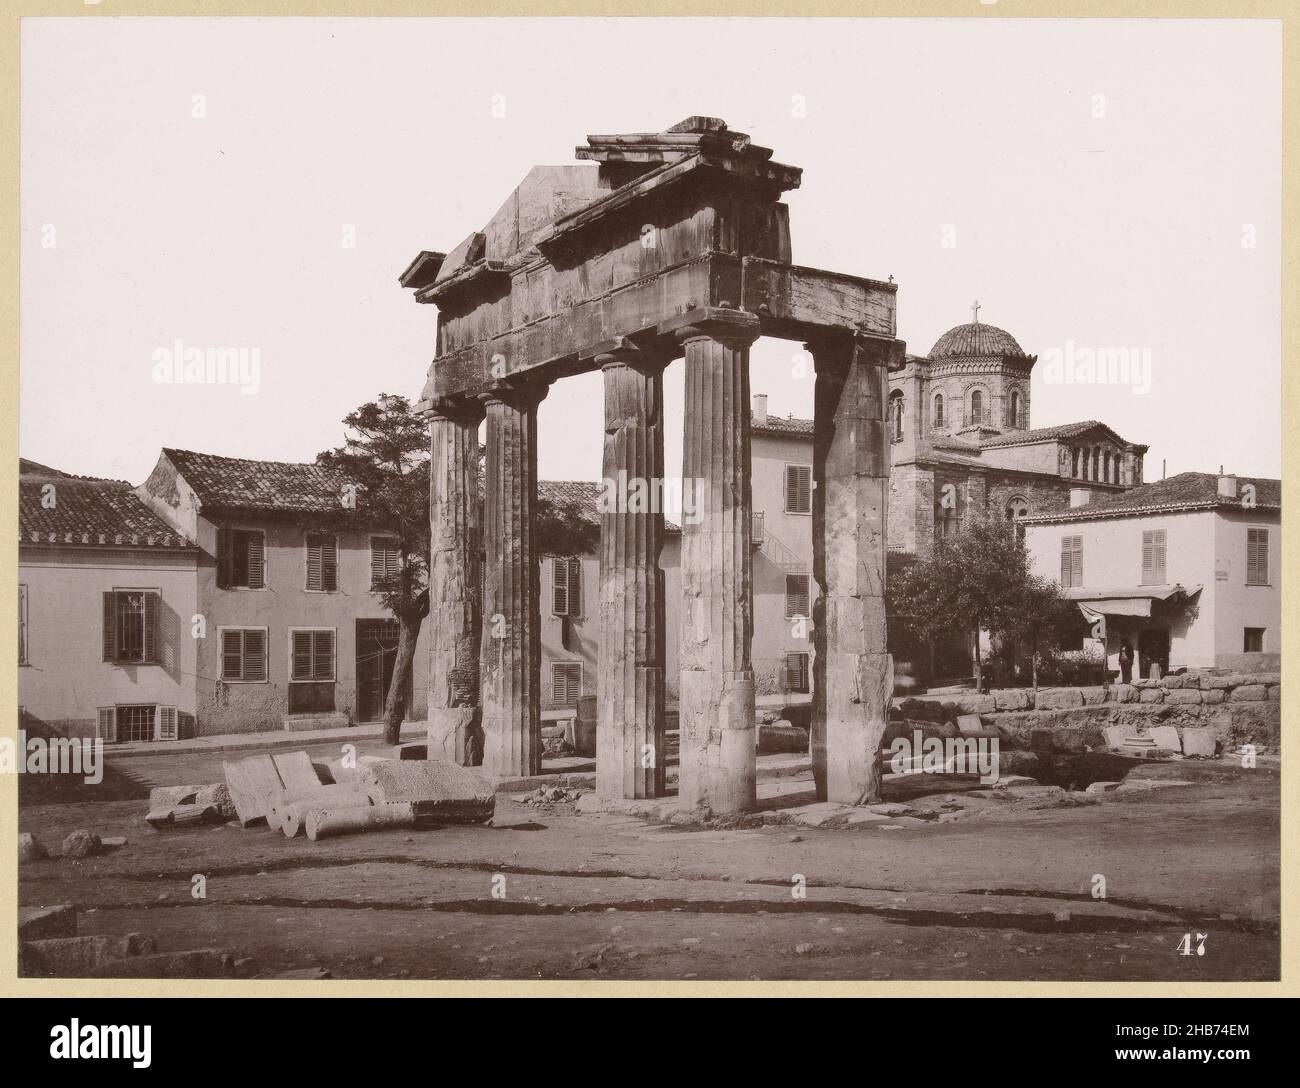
x=757 y=535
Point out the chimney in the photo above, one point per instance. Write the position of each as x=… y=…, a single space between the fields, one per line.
x=1080 y=496
x=760 y=409
x=1227 y=486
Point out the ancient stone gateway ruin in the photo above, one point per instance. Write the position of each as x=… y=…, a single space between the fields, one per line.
x=673 y=244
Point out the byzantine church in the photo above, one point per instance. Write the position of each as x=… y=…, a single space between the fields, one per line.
x=960 y=416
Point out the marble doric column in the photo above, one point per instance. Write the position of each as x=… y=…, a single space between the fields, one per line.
x=455 y=594
x=716 y=694
x=630 y=670
x=852 y=672
x=510 y=650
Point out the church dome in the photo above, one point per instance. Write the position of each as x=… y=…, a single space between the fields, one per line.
x=976 y=340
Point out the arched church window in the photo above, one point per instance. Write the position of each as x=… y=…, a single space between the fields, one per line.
x=1013 y=413
x=1017 y=508
x=896 y=416
x=938 y=410
x=977 y=406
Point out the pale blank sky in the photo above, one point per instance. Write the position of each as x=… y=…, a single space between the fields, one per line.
x=1119 y=230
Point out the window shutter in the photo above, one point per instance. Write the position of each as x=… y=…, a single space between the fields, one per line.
x=151 y=647
x=223 y=558
x=302 y=655
x=1077 y=564
x=314 y=563
x=560 y=587
x=575 y=587
x=323 y=655
x=796 y=595
x=1148 y=558
x=329 y=564
x=106 y=728
x=164 y=723
x=256 y=560
x=231 y=656
x=1257 y=557
x=1160 y=549
x=798 y=489
x=254 y=655
x=110 y=627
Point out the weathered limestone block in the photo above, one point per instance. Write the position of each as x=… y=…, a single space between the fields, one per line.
x=30 y=847
x=36 y=923
x=1209 y=682
x=1199 y=742
x=1179 y=680
x=1151 y=695
x=1093 y=696
x=1275 y=691
x=510 y=649
x=1248 y=693
x=1214 y=696
x=81 y=844
x=630 y=667
x=853 y=672
x=1058 y=698
x=1166 y=737
x=443 y=790
x=1011 y=698
x=716 y=688
x=1183 y=695
x=455 y=594
x=75 y=957
x=1123 y=693
x=977 y=704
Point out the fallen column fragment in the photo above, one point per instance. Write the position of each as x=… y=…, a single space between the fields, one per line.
x=324 y=824
x=437 y=788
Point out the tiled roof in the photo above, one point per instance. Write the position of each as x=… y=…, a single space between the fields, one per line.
x=1186 y=491
x=581 y=495
x=1045 y=434
x=35 y=468
x=89 y=513
x=976 y=340
x=800 y=428
x=233 y=483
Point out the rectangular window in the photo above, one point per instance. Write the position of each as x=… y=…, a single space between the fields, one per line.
x=130 y=631
x=241 y=559
x=566 y=682
x=1256 y=557
x=1253 y=642
x=798 y=590
x=312 y=655
x=311 y=671
x=796 y=672
x=22 y=625
x=385 y=560
x=1153 y=557
x=798 y=489
x=1071 y=561
x=135 y=722
x=243 y=655
x=322 y=563
x=566 y=586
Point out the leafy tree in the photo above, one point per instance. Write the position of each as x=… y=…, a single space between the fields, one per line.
x=384 y=466
x=979 y=580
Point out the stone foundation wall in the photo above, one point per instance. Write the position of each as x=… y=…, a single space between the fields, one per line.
x=1240 y=708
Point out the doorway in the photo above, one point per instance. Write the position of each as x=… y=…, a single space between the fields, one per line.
x=376 y=656
x=1153 y=648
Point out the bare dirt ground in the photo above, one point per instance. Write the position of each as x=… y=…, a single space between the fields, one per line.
x=979 y=887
